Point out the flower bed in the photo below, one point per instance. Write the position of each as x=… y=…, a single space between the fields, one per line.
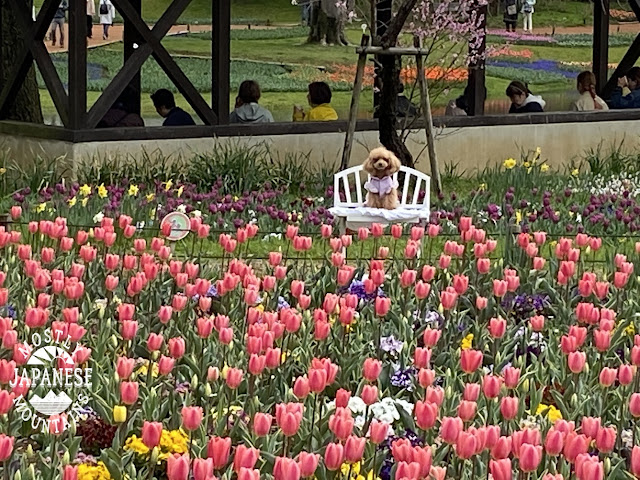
x=446 y=364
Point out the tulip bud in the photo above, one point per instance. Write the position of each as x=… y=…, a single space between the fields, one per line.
x=207 y=390
x=194 y=382
x=574 y=400
x=155 y=454
x=66 y=458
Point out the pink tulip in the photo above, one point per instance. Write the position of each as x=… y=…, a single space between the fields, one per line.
x=497 y=327
x=354 y=448
x=467 y=410
x=378 y=431
x=369 y=394
x=501 y=469
x=308 y=463
x=234 y=378
x=509 y=407
x=129 y=392
x=191 y=417
x=635 y=460
x=178 y=467
x=382 y=306
x=590 y=426
x=576 y=361
x=491 y=386
x=426 y=414
x=262 y=424
x=471 y=392
x=334 y=456
x=450 y=428
x=371 y=369
x=151 y=433
x=6 y=448
x=499 y=288
x=626 y=374
x=634 y=405
x=218 y=450
x=608 y=376
x=245 y=457
x=530 y=457
x=575 y=445
x=466 y=445
x=554 y=442
x=470 y=360
x=606 y=439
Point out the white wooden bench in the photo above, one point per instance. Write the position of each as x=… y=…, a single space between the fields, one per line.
x=356 y=214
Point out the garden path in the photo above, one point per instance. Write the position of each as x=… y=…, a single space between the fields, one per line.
x=116 y=32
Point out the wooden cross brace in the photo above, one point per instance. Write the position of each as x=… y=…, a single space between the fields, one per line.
x=151 y=45
x=629 y=58
x=34 y=48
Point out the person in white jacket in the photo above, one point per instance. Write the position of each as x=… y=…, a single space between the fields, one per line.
x=107 y=13
x=527 y=12
x=91 y=11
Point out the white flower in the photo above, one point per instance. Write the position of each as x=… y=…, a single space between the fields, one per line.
x=294 y=2
x=196 y=213
x=182 y=208
x=140 y=225
x=357 y=405
x=98 y=217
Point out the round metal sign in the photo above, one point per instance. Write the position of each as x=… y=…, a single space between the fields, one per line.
x=180 y=225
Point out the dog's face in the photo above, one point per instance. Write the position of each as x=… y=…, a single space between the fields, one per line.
x=381 y=163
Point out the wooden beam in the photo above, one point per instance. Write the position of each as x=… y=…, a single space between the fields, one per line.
x=601 y=42
x=133 y=40
x=355 y=102
x=52 y=81
x=221 y=59
x=629 y=60
x=425 y=106
x=77 y=64
x=33 y=32
x=477 y=90
x=164 y=59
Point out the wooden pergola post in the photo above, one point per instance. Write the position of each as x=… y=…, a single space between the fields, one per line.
x=77 y=64
x=629 y=58
x=601 y=43
x=221 y=59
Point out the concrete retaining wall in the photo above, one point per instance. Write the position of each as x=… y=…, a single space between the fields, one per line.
x=471 y=148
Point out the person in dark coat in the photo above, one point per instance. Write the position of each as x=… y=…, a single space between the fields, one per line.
x=522 y=100
x=166 y=107
x=404 y=107
x=122 y=113
x=630 y=81
x=510 y=17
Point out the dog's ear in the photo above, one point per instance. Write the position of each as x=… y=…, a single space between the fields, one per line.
x=394 y=162
x=368 y=164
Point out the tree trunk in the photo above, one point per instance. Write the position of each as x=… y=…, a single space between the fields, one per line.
x=387 y=125
x=26 y=106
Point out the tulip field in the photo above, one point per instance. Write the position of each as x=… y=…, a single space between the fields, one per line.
x=445 y=351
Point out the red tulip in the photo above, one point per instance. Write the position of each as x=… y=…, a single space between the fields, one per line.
x=151 y=433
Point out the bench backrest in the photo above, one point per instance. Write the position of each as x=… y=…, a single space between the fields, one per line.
x=349 y=182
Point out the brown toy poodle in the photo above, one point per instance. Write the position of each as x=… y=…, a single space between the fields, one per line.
x=381 y=187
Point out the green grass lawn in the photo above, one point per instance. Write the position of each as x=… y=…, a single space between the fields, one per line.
x=549 y=13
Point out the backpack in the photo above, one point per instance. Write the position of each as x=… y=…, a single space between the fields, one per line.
x=528 y=8
x=104 y=9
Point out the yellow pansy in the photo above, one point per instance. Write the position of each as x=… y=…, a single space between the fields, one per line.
x=260 y=308
x=283 y=356
x=174 y=441
x=180 y=190
x=544 y=167
x=518 y=216
x=168 y=185
x=102 y=191
x=575 y=172
x=144 y=369
x=93 y=472
x=119 y=414
x=152 y=213
x=85 y=201
x=133 y=190
x=72 y=201
x=553 y=414
x=482 y=187
x=354 y=467
x=85 y=190
x=150 y=196
x=630 y=330
x=136 y=445
x=509 y=163
x=467 y=342
x=41 y=208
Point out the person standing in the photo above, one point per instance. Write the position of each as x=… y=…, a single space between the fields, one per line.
x=527 y=13
x=510 y=17
x=58 y=23
x=91 y=11
x=107 y=13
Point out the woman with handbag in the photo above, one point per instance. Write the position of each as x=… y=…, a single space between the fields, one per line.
x=511 y=15
x=107 y=13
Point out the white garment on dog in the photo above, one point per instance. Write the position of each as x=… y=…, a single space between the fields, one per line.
x=382 y=214
x=381 y=186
